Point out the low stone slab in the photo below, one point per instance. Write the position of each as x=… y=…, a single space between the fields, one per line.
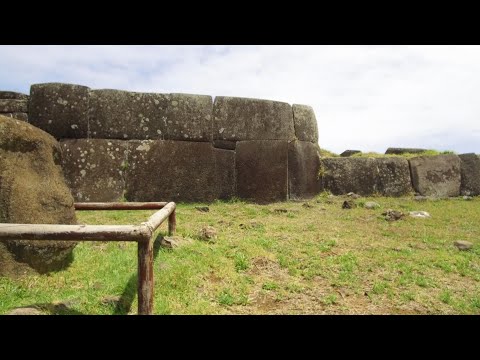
x=225 y=174
x=60 y=109
x=241 y=119
x=470 y=174
x=9 y=106
x=18 y=116
x=261 y=168
x=400 y=151
x=305 y=122
x=303 y=169
x=348 y=153
x=13 y=95
x=393 y=177
x=95 y=168
x=437 y=176
x=164 y=170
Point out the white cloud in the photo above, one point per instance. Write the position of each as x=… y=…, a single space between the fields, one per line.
x=365 y=97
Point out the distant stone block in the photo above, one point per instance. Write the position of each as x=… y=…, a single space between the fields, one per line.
x=348 y=153
x=305 y=122
x=470 y=174
x=401 y=151
x=393 y=177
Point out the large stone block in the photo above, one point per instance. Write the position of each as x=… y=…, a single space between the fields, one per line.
x=436 y=175
x=170 y=171
x=306 y=128
x=13 y=95
x=393 y=177
x=10 y=106
x=239 y=119
x=95 y=168
x=262 y=170
x=32 y=191
x=225 y=174
x=344 y=175
x=18 y=116
x=401 y=151
x=303 y=170
x=470 y=174
x=60 y=109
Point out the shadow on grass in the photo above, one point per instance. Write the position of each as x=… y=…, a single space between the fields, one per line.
x=124 y=304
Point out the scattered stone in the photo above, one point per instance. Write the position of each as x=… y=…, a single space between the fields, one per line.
x=349 y=204
x=251 y=225
x=307 y=205
x=25 y=311
x=463 y=245
x=400 y=151
x=393 y=215
x=208 y=233
x=353 y=195
x=202 y=208
x=419 y=214
x=348 y=153
x=280 y=211
x=169 y=242
x=111 y=299
x=466 y=197
x=420 y=198
x=371 y=205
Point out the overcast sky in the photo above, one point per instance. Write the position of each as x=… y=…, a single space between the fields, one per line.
x=365 y=97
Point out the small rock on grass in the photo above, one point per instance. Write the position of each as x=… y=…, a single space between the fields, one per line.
x=349 y=204
x=419 y=214
x=371 y=205
x=281 y=210
x=202 y=208
x=169 y=242
x=208 y=233
x=468 y=198
x=463 y=245
x=307 y=205
x=393 y=215
x=353 y=195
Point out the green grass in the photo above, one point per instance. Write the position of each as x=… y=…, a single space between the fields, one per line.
x=320 y=259
x=406 y=155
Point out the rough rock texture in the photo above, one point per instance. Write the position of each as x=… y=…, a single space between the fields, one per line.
x=239 y=119
x=225 y=144
x=13 y=95
x=18 y=116
x=344 y=175
x=261 y=168
x=60 y=109
x=305 y=122
x=393 y=177
x=116 y=114
x=225 y=174
x=170 y=171
x=437 y=176
x=400 y=151
x=348 y=153
x=95 y=169
x=32 y=190
x=11 y=105
x=303 y=168
x=470 y=170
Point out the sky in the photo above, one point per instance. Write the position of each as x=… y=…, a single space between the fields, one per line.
x=365 y=98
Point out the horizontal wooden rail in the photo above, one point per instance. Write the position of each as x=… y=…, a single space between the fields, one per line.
x=143 y=234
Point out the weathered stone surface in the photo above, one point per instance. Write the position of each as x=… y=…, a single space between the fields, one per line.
x=463 y=245
x=305 y=122
x=303 y=168
x=95 y=168
x=393 y=215
x=348 y=153
x=239 y=119
x=393 y=177
x=437 y=176
x=32 y=190
x=170 y=171
x=18 y=116
x=419 y=214
x=470 y=174
x=13 y=95
x=400 y=151
x=371 y=205
x=225 y=174
x=60 y=109
x=10 y=105
x=344 y=175
x=225 y=144
x=261 y=168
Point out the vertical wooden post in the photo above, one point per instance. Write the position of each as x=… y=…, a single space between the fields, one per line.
x=172 y=223
x=145 y=277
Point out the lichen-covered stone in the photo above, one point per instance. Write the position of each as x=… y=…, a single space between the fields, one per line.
x=18 y=116
x=13 y=95
x=348 y=153
x=170 y=171
x=225 y=174
x=60 y=109
x=240 y=119
x=306 y=128
x=437 y=176
x=470 y=174
x=95 y=168
x=32 y=191
x=393 y=177
x=400 y=151
x=262 y=170
x=303 y=169
x=10 y=106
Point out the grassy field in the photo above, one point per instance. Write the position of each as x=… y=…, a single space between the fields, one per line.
x=285 y=258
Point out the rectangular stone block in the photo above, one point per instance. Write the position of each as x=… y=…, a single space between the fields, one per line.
x=470 y=174
x=11 y=106
x=393 y=177
x=164 y=170
x=13 y=95
x=60 y=109
x=225 y=174
x=262 y=170
x=303 y=169
x=306 y=128
x=241 y=119
x=95 y=169
x=437 y=176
